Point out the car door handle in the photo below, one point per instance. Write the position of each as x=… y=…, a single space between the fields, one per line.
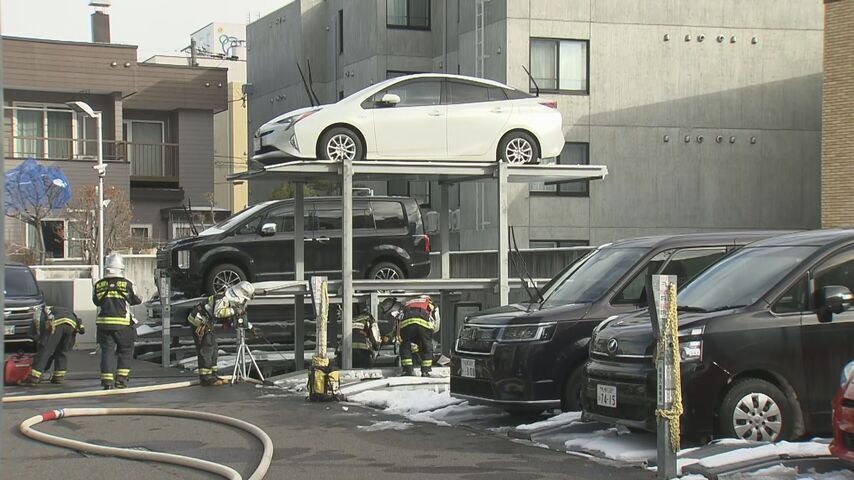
x=497 y=110
x=322 y=239
x=435 y=113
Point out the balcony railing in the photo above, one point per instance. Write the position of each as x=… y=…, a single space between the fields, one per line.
x=149 y=162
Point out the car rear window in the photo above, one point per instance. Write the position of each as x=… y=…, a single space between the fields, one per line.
x=388 y=215
x=514 y=94
x=20 y=283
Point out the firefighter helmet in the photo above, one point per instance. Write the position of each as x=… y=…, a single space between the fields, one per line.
x=114 y=265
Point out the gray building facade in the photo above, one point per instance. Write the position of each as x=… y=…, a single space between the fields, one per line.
x=157 y=131
x=707 y=114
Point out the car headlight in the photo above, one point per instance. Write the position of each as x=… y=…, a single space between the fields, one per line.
x=38 y=311
x=528 y=333
x=846 y=374
x=691 y=344
x=289 y=122
x=183 y=259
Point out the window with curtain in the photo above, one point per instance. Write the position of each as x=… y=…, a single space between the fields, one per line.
x=413 y=14
x=29 y=133
x=44 y=132
x=559 y=65
x=572 y=154
x=145 y=149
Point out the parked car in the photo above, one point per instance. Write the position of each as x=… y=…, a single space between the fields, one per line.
x=24 y=303
x=422 y=116
x=256 y=244
x=764 y=334
x=843 y=418
x=531 y=356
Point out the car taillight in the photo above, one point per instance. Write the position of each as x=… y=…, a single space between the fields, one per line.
x=549 y=103
x=426 y=239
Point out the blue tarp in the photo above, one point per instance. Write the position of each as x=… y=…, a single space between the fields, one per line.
x=31 y=185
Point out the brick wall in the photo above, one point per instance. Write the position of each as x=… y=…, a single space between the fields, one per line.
x=837 y=146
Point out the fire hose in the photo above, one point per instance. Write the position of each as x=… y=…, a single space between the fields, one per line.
x=669 y=339
x=196 y=463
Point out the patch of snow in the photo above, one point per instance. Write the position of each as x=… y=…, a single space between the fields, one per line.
x=789 y=473
x=456 y=414
x=561 y=419
x=385 y=425
x=694 y=476
x=792 y=449
x=615 y=446
x=405 y=402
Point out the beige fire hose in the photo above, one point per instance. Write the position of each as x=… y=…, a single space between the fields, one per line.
x=215 y=468
x=99 y=393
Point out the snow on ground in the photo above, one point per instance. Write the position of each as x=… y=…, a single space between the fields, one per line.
x=385 y=425
x=792 y=449
x=405 y=402
x=780 y=472
x=562 y=419
x=615 y=445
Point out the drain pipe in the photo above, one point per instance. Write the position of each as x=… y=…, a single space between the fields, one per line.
x=196 y=463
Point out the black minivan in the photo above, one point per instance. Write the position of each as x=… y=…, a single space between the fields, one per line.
x=257 y=244
x=24 y=303
x=526 y=357
x=763 y=336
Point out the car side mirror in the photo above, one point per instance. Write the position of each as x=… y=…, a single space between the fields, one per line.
x=390 y=99
x=268 y=229
x=832 y=300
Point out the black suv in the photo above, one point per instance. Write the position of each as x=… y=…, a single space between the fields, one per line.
x=257 y=244
x=763 y=336
x=527 y=357
x=24 y=303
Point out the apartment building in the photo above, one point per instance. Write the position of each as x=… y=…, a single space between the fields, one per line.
x=157 y=130
x=707 y=114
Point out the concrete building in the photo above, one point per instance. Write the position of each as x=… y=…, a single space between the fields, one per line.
x=706 y=113
x=837 y=146
x=223 y=45
x=157 y=130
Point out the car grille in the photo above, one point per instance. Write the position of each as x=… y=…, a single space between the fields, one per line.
x=18 y=316
x=477 y=339
x=474 y=388
x=163 y=259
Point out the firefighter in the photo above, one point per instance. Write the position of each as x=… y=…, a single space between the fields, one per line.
x=366 y=340
x=114 y=296
x=420 y=318
x=225 y=307
x=57 y=332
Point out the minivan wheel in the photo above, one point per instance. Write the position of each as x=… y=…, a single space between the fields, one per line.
x=517 y=148
x=385 y=271
x=571 y=398
x=755 y=409
x=341 y=144
x=223 y=276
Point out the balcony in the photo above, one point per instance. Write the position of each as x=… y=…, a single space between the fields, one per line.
x=150 y=163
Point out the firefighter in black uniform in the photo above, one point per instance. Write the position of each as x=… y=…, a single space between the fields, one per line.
x=57 y=331
x=114 y=296
x=366 y=340
x=420 y=318
x=224 y=307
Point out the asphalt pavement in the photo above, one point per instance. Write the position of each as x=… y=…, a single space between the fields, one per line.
x=312 y=441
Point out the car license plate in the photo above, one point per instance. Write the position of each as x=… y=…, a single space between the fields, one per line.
x=606 y=396
x=468 y=368
x=8 y=329
x=256 y=143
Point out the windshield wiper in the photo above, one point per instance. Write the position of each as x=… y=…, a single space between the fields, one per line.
x=688 y=308
x=726 y=307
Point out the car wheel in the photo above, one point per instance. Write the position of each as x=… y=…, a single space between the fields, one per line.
x=571 y=399
x=517 y=148
x=385 y=271
x=755 y=409
x=341 y=144
x=223 y=276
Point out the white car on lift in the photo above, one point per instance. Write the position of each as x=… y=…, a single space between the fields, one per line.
x=419 y=117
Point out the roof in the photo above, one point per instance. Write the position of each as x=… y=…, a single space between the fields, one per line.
x=69 y=42
x=817 y=238
x=699 y=239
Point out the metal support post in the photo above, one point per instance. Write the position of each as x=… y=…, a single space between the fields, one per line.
x=447 y=334
x=503 y=237
x=347 y=265
x=165 y=318
x=659 y=289
x=374 y=305
x=299 y=275
x=101 y=173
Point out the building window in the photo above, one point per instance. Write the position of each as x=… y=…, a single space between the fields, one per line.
x=560 y=65
x=140 y=231
x=146 y=149
x=414 y=14
x=557 y=243
x=340 y=31
x=397 y=73
x=572 y=154
x=47 y=131
x=417 y=189
x=61 y=239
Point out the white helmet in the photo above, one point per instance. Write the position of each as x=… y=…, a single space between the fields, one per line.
x=242 y=292
x=114 y=265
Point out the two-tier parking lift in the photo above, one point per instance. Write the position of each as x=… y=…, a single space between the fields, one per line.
x=445 y=173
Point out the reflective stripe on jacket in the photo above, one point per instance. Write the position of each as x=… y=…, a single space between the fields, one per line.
x=114 y=296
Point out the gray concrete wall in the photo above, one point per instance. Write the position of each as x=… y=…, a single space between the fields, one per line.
x=195 y=150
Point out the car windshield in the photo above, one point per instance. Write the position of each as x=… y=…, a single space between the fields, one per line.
x=741 y=279
x=594 y=276
x=20 y=283
x=235 y=219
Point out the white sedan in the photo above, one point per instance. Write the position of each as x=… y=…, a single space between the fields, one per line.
x=419 y=117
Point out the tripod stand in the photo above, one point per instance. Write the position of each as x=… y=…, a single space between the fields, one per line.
x=241 y=370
